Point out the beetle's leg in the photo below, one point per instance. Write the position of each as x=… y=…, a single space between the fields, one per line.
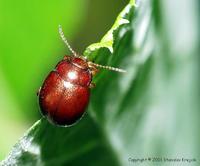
x=38 y=92
x=93 y=69
x=92 y=85
x=68 y=58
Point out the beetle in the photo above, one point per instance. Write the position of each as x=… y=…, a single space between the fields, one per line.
x=65 y=92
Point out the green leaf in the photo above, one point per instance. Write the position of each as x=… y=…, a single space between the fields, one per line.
x=151 y=111
x=108 y=39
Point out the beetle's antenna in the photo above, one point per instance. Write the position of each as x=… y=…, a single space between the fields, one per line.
x=107 y=67
x=65 y=40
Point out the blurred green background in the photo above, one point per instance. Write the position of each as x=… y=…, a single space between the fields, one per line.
x=30 y=47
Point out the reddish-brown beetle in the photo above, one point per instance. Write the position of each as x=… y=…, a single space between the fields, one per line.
x=65 y=92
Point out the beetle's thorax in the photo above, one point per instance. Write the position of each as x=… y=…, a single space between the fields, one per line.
x=80 y=62
x=75 y=71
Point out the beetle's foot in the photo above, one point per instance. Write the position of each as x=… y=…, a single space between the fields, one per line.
x=93 y=69
x=92 y=85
